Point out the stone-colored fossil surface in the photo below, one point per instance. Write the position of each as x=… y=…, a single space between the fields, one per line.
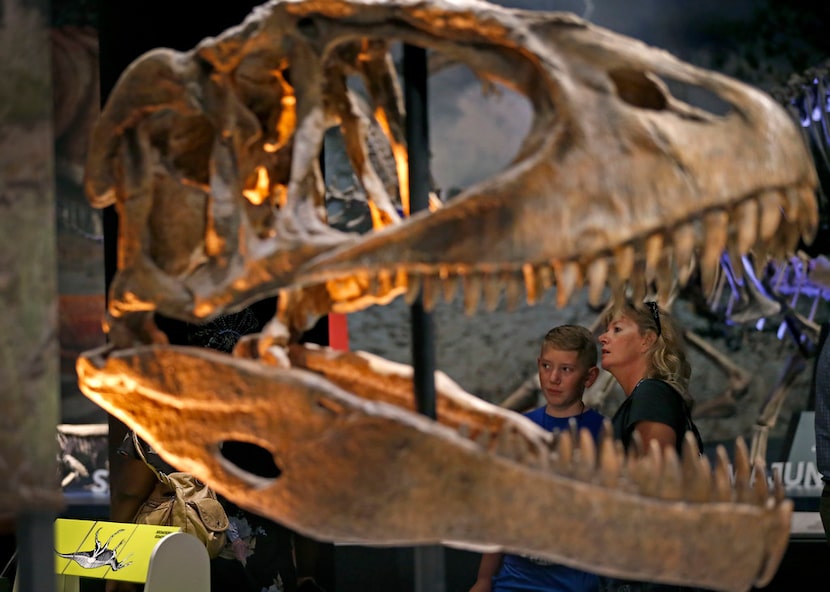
x=211 y=158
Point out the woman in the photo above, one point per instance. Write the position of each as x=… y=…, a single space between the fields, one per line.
x=643 y=350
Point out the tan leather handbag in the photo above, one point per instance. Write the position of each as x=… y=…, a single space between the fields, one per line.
x=179 y=499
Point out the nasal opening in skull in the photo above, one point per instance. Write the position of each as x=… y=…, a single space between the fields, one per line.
x=250 y=458
x=647 y=91
x=637 y=89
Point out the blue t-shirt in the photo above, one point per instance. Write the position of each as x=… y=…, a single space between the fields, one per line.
x=531 y=574
x=589 y=419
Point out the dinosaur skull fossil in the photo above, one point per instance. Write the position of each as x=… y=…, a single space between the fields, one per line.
x=211 y=159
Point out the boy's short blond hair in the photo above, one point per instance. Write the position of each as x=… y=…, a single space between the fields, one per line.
x=573 y=338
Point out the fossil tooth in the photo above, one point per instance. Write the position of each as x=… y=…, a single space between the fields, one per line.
x=633 y=455
x=492 y=287
x=790 y=203
x=746 y=219
x=449 y=288
x=697 y=472
x=430 y=291
x=760 y=487
x=611 y=458
x=716 y=229
x=449 y=283
x=413 y=288
x=722 y=490
x=689 y=445
x=624 y=262
x=537 y=451
x=585 y=460
x=545 y=279
x=533 y=284
x=507 y=444
x=808 y=206
x=597 y=277
x=568 y=278
x=735 y=261
x=770 y=205
x=512 y=290
x=401 y=280
x=683 y=240
x=573 y=430
x=778 y=490
x=653 y=254
x=637 y=470
x=564 y=449
x=760 y=258
x=785 y=241
x=636 y=447
x=743 y=471
x=373 y=285
x=385 y=282
x=472 y=292
x=671 y=477
x=652 y=468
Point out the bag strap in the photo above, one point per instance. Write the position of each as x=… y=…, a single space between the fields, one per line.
x=691 y=427
x=140 y=450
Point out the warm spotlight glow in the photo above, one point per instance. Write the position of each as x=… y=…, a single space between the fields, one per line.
x=401 y=159
x=261 y=189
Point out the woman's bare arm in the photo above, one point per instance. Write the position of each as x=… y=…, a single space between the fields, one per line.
x=653 y=430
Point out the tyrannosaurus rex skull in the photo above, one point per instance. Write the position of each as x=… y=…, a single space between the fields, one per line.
x=211 y=158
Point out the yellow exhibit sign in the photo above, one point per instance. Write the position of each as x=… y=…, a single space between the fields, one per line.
x=106 y=550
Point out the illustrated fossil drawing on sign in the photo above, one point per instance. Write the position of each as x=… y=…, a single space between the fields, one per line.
x=211 y=158
x=100 y=555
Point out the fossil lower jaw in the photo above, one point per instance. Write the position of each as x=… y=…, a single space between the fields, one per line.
x=358 y=465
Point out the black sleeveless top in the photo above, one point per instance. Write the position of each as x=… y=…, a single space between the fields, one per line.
x=654 y=400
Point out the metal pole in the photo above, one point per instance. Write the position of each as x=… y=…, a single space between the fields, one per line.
x=429 y=560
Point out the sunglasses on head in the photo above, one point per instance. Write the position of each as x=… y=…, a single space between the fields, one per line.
x=655 y=314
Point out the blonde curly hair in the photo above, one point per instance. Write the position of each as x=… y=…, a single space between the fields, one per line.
x=667 y=356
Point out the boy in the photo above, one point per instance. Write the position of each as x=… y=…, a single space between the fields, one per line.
x=567 y=366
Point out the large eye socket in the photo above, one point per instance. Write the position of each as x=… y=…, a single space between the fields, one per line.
x=646 y=90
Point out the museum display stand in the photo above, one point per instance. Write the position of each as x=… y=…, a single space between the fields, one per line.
x=164 y=559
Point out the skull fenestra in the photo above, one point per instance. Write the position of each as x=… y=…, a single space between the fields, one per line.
x=211 y=158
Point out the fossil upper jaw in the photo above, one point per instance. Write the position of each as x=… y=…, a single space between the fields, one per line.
x=616 y=181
